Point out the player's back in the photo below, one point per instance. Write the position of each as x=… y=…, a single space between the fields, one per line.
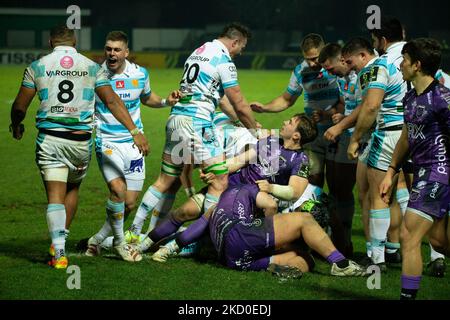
x=237 y=204
x=386 y=75
x=65 y=82
x=208 y=71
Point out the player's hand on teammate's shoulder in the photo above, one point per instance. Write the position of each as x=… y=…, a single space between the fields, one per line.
x=17 y=131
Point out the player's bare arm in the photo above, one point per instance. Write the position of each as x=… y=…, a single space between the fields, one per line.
x=241 y=107
x=19 y=110
x=155 y=101
x=267 y=203
x=368 y=114
x=278 y=104
x=293 y=190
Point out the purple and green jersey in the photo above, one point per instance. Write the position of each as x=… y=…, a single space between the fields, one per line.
x=427 y=118
x=274 y=163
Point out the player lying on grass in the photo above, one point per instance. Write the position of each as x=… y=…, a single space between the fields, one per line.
x=232 y=136
x=280 y=161
x=245 y=240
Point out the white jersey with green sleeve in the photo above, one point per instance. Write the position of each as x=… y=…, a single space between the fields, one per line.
x=65 y=82
x=386 y=75
x=131 y=85
x=208 y=71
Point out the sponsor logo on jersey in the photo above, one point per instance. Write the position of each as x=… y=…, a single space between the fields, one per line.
x=120 y=84
x=200 y=49
x=441 y=141
x=66 y=73
x=63 y=109
x=135 y=83
x=124 y=95
x=199 y=58
x=66 y=62
x=434 y=190
x=415 y=131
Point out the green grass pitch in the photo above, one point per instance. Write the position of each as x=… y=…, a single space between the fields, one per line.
x=24 y=237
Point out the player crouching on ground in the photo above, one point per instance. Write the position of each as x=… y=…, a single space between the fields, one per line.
x=246 y=241
x=277 y=166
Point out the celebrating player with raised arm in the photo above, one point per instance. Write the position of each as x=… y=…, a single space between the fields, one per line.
x=66 y=83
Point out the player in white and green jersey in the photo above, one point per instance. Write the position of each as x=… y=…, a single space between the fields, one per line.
x=121 y=164
x=66 y=83
x=209 y=74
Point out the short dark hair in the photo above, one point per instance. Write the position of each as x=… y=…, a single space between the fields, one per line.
x=330 y=51
x=310 y=41
x=235 y=30
x=117 y=36
x=61 y=33
x=306 y=127
x=427 y=51
x=390 y=28
x=357 y=44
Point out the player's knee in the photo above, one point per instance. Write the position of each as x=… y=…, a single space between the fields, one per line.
x=130 y=206
x=117 y=195
x=405 y=238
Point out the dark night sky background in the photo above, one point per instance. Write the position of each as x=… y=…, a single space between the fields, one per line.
x=330 y=17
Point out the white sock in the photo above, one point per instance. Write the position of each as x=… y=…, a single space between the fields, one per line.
x=162 y=208
x=210 y=200
x=392 y=247
x=369 y=249
x=402 y=196
x=434 y=254
x=115 y=211
x=107 y=243
x=149 y=202
x=104 y=232
x=379 y=222
x=56 y=221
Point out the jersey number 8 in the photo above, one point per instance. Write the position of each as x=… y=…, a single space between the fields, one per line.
x=65 y=88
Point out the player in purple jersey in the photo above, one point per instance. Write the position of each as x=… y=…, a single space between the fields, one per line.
x=425 y=136
x=247 y=240
x=279 y=167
